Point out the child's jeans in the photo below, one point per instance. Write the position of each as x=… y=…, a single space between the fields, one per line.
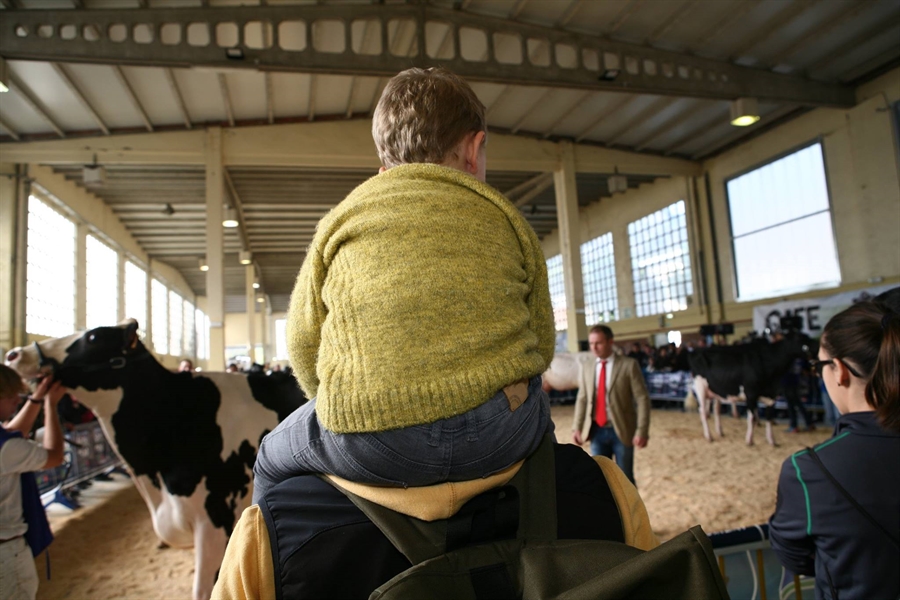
x=481 y=442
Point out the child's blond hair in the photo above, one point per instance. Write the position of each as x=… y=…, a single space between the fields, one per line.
x=423 y=115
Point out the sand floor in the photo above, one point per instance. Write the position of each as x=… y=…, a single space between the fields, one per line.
x=109 y=550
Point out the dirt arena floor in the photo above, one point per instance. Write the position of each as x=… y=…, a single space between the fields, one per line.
x=109 y=551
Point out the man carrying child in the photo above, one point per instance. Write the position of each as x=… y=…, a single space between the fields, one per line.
x=420 y=324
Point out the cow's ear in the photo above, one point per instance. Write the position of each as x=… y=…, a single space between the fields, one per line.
x=131 y=336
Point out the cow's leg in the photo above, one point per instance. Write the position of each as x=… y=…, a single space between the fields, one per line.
x=209 y=549
x=752 y=417
x=770 y=420
x=701 y=391
x=717 y=409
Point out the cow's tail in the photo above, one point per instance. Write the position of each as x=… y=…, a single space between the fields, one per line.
x=690 y=401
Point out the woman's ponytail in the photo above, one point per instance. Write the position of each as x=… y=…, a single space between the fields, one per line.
x=883 y=389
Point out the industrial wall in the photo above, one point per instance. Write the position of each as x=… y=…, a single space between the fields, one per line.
x=862 y=164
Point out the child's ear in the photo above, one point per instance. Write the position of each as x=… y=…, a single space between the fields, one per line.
x=473 y=143
x=382 y=169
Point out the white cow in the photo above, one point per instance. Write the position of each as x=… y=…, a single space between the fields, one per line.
x=189 y=440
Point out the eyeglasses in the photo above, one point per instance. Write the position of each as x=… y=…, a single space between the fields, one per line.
x=818 y=365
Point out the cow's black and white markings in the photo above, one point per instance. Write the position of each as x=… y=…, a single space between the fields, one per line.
x=189 y=440
x=756 y=368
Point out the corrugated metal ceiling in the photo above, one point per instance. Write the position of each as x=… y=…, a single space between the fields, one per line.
x=824 y=40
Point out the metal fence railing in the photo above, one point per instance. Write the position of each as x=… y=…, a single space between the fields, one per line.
x=87 y=455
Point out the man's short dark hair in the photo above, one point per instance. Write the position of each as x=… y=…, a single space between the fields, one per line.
x=606 y=331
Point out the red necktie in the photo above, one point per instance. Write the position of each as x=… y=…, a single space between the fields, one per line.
x=600 y=412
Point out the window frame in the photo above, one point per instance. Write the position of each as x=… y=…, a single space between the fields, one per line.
x=49 y=203
x=616 y=313
x=735 y=284
x=656 y=244
x=564 y=308
x=143 y=331
x=102 y=241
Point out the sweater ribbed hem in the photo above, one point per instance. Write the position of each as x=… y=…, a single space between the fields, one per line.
x=365 y=410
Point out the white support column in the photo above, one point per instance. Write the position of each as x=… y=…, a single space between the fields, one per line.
x=215 y=254
x=266 y=327
x=570 y=244
x=23 y=186
x=120 y=308
x=249 y=275
x=81 y=276
x=9 y=263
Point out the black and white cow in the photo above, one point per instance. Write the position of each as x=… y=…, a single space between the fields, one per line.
x=754 y=369
x=189 y=440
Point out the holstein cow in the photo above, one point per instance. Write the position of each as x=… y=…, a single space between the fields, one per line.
x=189 y=440
x=721 y=371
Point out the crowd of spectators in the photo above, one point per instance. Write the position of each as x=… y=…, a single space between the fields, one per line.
x=663 y=359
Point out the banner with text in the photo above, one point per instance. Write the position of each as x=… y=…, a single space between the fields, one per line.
x=815 y=312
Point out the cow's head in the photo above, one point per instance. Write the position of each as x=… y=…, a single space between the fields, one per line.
x=91 y=360
x=801 y=345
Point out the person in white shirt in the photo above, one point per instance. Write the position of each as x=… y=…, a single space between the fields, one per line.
x=612 y=409
x=18 y=576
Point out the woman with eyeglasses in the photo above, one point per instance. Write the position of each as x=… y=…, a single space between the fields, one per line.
x=838 y=511
x=23 y=524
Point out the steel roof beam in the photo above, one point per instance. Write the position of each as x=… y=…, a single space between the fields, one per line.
x=850 y=12
x=852 y=44
x=15 y=85
x=676 y=74
x=9 y=130
x=665 y=128
x=226 y=99
x=138 y=107
x=79 y=96
x=179 y=100
x=239 y=209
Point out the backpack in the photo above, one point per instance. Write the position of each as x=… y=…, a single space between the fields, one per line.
x=38 y=534
x=502 y=545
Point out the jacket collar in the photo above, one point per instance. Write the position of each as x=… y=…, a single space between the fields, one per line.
x=864 y=423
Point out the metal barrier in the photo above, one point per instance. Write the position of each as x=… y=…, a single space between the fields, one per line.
x=748 y=564
x=87 y=455
x=672 y=386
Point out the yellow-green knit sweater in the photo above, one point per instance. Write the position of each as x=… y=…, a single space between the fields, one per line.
x=422 y=294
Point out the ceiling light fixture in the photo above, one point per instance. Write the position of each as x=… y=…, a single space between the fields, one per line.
x=204 y=266
x=617 y=183
x=260 y=299
x=255 y=285
x=229 y=219
x=245 y=257
x=744 y=112
x=609 y=75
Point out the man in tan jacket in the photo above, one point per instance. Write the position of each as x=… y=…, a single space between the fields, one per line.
x=612 y=408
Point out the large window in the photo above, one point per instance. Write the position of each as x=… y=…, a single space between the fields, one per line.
x=202 y=325
x=557 y=292
x=159 y=302
x=50 y=274
x=781 y=227
x=598 y=266
x=102 y=283
x=176 y=323
x=190 y=345
x=661 y=261
x=136 y=295
x=281 y=352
